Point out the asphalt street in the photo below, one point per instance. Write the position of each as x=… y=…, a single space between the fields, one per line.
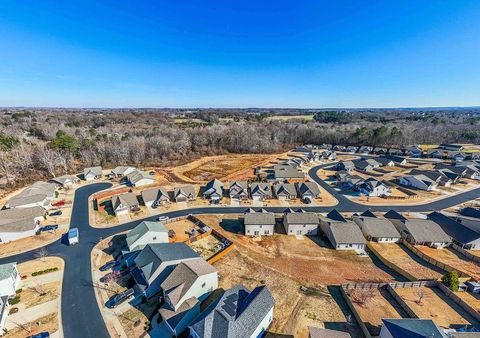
x=81 y=316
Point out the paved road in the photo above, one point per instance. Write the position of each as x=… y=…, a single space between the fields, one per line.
x=80 y=314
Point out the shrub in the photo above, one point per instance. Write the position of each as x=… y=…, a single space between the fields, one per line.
x=14 y=300
x=450 y=280
x=41 y=272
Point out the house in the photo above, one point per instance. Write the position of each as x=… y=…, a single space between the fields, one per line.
x=435 y=175
x=300 y=222
x=285 y=191
x=385 y=161
x=414 y=152
x=421 y=182
x=456 y=156
x=155 y=262
x=373 y=187
x=308 y=191
x=123 y=204
x=434 y=153
x=328 y=155
x=395 y=152
x=236 y=313
x=213 y=190
x=377 y=229
x=343 y=234
x=398 y=160
x=260 y=223
x=38 y=194
x=340 y=148
x=139 y=178
x=146 y=233
x=325 y=146
x=363 y=165
x=184 y=193
x=342 y=176
x=351 y=149
x=260 y=191
x=92 y=173
x=19 y=223
x=315 y=332
x=379 y=151
x=365 y=150
x=65 y=181
x=352 y=182
x=155 y=197
x=410 y=327
x=474 y=156
x=121 y=171
x=313 y=156
x=461 y=235
x=451 y=147
x=188 y=284
x=345 y=166
x=238 y=190
x=9 y=281
x=283 y=172
x=419 y=231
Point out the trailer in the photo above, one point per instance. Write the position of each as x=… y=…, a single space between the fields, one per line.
x=73 y=236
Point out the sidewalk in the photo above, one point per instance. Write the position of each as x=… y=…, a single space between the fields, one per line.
x=42 y=279
x=25 y=315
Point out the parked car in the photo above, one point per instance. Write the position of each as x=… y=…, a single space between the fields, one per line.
x=49 y=227
x=162 y=218
x=40 y=335
x=55 y=213
x=119 y=298
x=108 y=265
x=58 y=204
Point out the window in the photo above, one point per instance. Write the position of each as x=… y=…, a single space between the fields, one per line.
x=256 y=232
x=154 y=238
x=266 y=232
x=203 y=285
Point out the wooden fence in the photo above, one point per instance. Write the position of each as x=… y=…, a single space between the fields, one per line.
x=408 y=310
x=110 y=193
x=357 y=317
x=464 y=305
x=391 y=265
x=465 y=253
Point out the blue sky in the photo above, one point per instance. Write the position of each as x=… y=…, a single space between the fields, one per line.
x=194 y=53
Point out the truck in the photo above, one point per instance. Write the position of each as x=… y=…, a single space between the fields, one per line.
x=73 y=236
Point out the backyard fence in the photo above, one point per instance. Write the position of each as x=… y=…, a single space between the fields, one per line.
x=465 y=253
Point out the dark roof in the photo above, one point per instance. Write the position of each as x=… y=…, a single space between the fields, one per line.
x=336 y=216
x=368 y=213
x=470 y=212
x=287 y=171
x=236 y=313
x=413 y=328
x=454 y=229
x=311 y=187
x=392 y=214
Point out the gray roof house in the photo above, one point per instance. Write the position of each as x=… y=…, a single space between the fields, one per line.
x=385 y=161
x=421 y=182
x=236 y=313
x=300 y=222
x=345 y=165
x=377 y=229
x=373 y=187
x=379 y=150
x=184 y=193
x=351 y=149
x=121 y=171
x=18 y=223
x=156 y=261
x=259 y=223
x=261 y=191
x=139 y=178
x=461 y=235
x=38 y=194
x=188 y=284
x=287 y=172
x=92 y=173
x=146 y=233
x=155 y=196
x=238 y=190
x=65 y=181
x=435 y=153
x=213 y=190
x=419 y=231
x=435 y=175
x=363 y=165
x=410 y=327
x=343 y=234
x=123 y=204
x=308 y=190
x=285 y=191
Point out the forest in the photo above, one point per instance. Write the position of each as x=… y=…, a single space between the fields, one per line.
x=40 y=143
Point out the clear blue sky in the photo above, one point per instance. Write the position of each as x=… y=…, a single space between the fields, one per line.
x=245 y=53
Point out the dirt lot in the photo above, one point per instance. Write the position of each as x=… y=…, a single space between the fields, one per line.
x=47 y=323
x=31 y=296
x=225 y=167
x=449 y=257
x=294 y=310
x=473 y=299
x=295 y=258
x=135 y=320
x=207 y=247
x=435 y=306
x=400 y=256
x=378 y=304
x=181 y=227
x=28 y=243
x=27 y=268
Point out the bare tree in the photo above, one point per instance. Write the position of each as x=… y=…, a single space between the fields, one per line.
x=38 y=288
x=361 y=296
x=41 y=254
x=421 y=295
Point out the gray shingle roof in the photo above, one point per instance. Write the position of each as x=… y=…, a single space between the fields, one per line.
x=309 y=188
x=287 y=171
x=64 y=179
x=138 y=175
x=377 y=227
x=37 y=192
x=262 y=189
x=187 y=190
x=121 y=170
x=454 y=229
x=97 y=171
x=21 y=213
x=259 y=218
x=155 y=194
x=237 y=313
x=153 y=255
x=129 y=199
x=6 y=270
x=425 y=230
x=143 y=228
x=287 y=189
x=301 y=217
x=346 y=233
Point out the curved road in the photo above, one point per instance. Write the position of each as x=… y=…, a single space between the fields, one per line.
x=81 y=316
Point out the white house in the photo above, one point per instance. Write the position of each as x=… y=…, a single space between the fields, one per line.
x=188 y=284
x=421 y=182
x=236 y=313
x=140 y=178
x=372 y=187
x=123 y=204
x=66 y=181
x=9 y=281
x=377 y=229
x=260 y=223
x=121 y=171
x=146 y=233
x=343 y=234
x=300 y=223
x=155 y=197
x=92 y=173
x=39 y=194
x=20 y=223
